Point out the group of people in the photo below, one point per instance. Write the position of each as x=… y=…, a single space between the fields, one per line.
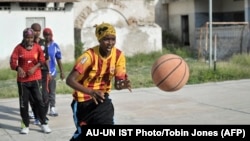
x=53 y=56
x=35 y=61
x=91 y=78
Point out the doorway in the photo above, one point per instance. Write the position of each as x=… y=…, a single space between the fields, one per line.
x=185 y=30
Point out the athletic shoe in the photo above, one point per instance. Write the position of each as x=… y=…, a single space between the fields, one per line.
x=36 y=122
x=24 y=129
x=53 y=112
x=45 y=128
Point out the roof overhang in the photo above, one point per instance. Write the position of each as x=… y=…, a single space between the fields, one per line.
x=39 y=1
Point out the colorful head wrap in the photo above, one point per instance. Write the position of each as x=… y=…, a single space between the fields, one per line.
x=27 y=31
x=104 y=29
x=48 y=31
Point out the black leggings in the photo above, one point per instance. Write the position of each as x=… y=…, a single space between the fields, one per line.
x=45 y=95
x=27 y=91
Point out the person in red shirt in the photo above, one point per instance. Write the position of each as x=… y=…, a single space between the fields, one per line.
x=91 y=78
x=27 y=58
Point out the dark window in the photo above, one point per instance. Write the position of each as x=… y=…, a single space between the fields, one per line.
x=30 y=4
x=4 y=4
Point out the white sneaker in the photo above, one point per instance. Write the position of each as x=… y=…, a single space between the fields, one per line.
x=45 y=128
x=25 y=130
x=53 y=112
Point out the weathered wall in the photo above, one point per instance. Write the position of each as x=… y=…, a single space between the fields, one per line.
x=133 y=20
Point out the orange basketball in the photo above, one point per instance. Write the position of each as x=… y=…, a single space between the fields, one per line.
x=170 y=72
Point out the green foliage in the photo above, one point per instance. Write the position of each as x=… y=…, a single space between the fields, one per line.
x=169 y=38
x=241 y=59
x=182 y=51
x=78 y=49
x=139 y=71
x=236 y=68
x=62 y=87
x=67 y=67
x=8 y=88
x=6 y=74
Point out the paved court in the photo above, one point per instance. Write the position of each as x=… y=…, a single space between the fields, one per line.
x=211 y=103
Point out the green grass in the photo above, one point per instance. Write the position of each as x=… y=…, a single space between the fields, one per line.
x=139 y=71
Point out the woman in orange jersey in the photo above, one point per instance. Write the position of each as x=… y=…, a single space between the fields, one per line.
x=91 y=78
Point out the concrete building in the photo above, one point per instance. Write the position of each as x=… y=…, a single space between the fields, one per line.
x=185 y=18
x=139 y=23
x=73 y=20
x=16 y=15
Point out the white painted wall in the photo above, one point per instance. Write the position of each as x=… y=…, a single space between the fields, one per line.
x=131 y=40
x=14 y=22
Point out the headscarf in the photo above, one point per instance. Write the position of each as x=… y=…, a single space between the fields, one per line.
x=48 y=31
x=27 y=31
x=104 y=29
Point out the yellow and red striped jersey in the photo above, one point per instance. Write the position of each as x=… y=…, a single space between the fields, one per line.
x=97 y=72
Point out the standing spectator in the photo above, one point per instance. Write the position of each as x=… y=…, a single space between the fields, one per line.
x=55 y=57
x=27 y=58
x=45 y=71
x=91 y=78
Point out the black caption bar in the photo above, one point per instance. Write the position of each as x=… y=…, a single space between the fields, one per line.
x=239 y=132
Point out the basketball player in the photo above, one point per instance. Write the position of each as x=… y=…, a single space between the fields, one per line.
x=91 y=77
